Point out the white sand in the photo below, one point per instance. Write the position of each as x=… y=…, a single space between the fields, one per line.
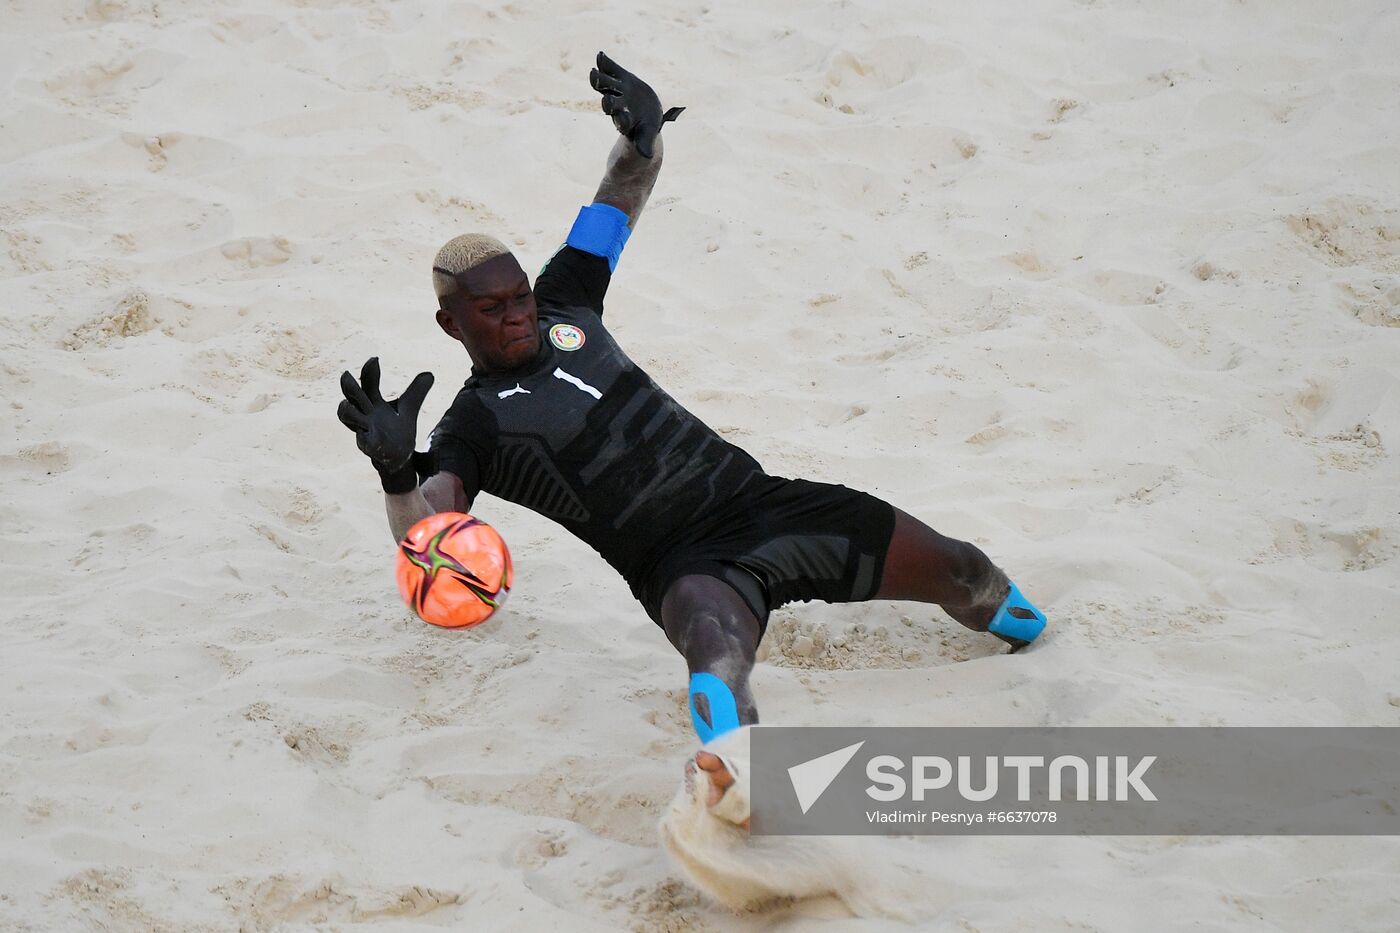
x=1112 y=289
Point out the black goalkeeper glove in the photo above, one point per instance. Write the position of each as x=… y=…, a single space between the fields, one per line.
x=386 y=432
x=633 y=105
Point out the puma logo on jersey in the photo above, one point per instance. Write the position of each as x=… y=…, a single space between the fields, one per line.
x=509 y=392
x=575 y=380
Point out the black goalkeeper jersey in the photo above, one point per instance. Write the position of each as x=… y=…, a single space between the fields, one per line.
x=583 y=436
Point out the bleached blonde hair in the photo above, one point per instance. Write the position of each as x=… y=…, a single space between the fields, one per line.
x=460 y=254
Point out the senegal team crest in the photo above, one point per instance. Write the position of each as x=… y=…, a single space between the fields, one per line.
x=566 y=336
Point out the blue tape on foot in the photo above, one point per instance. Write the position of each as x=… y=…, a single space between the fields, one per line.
x=1004 y=623
x=724 y=712
x=602 y=230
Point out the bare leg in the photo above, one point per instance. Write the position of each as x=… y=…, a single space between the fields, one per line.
x=716 y=632
x=924 y=566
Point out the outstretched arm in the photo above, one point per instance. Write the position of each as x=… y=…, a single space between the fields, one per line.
x=636 y=158
x=574 y=277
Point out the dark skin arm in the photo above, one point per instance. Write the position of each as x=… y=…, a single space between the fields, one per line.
x=629 y=178
x=441 y=492
x=444 y=493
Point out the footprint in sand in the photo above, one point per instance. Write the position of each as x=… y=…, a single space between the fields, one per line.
x=1351 y=232
x=424 y=96
x=113 y=86
x=290 y=353
x=1355 y=448
x=599 y=793
x=988 y=437
x=1096 y=622
x=1375 y=301
x=458 y=209
x=1031 y=264
x=118 y=11
x=669 y=906
x=91 y=80
x=889 y=62
x=41 y=460
x=257 y=252
x=1191 y=339
x=668 y=710
x=280 y=899
x=539 y=848
x=291 y=504
x=137 y=312
x=25 y=254
x=216 y=371
x=1336 y=547
x=293 y=518
x=1208 y=271
x=120 y=545
x=1309 y=403
x=852 y=76
x=328 y=743
x=1334 y=415
x=1060 y=108
x=107 y=897
x=885 y=641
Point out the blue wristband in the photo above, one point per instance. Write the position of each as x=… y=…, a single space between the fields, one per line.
x=602 y=230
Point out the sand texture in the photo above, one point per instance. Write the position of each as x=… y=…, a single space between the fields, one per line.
x=1110 y=288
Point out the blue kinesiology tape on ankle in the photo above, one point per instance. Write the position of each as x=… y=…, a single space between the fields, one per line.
x=1005 y=623
x=724 y=711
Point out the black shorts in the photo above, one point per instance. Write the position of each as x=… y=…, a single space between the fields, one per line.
x=782 y=540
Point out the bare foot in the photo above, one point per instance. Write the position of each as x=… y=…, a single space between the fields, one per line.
x=721 y=780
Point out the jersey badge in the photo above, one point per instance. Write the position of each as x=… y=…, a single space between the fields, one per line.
x=566 y=337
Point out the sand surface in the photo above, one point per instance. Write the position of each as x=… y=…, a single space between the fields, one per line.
x=1110 y=288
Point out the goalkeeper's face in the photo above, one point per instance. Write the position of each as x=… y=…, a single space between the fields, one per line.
x=493 y=315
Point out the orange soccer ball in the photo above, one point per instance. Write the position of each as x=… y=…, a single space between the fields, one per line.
x=453 y=570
